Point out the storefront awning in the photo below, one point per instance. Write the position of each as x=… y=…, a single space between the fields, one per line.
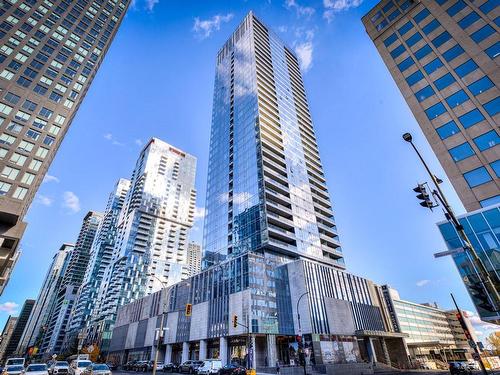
x=370 y=333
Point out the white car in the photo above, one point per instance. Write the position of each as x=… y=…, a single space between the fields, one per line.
x=78 y=366
x=15 y=361
x=13 y=370
x=37 y=369
x=59 y=367
x=210 y=366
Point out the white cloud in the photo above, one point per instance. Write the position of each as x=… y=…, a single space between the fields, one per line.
x=301 y=10
x=109 y=137
x=71 y=201
x=422 y=282
x=44 y=200
x=304 y=52
x=483 y=329
x=203 y=28
x=9 y=307
x=138 y=142
x=50 y=178
x=150 y=4
x=199 y=213
x=335 y=6
x=282 y=29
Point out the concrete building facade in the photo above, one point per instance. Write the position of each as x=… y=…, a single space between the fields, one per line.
x=18 y=330
x=49 y=55
x=44 y=305
x=10 y=324
x=443 y=55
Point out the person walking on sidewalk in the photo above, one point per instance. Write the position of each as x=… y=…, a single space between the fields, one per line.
x=278 y=367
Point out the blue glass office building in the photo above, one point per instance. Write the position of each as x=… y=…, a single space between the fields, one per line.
x=483 y=230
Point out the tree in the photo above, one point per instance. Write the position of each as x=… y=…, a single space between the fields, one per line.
x=494 y=340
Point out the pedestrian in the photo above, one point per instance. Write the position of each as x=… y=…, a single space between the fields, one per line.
x=278 y=367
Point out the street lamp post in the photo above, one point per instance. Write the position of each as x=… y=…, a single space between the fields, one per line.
x=484 y=276
x=162 y=322
x=300 y=332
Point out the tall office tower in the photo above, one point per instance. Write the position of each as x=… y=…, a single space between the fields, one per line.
x=194 y=258
x=21 y=322
x=101 y=254
x=443 y=55
x=72 y=278
x=266 y=191
x=49 y=55
x=152 y=236
x=10 y=324
x=44 y=304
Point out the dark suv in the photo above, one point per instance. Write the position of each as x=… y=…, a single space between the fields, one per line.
x=190 y=366
x=459 y=368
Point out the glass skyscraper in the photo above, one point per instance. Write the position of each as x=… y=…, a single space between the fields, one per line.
x=50 y=52
x=266 y=190
x=444 y=57
x=483 y=230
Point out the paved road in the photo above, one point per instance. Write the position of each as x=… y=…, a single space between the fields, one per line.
x=420 y=372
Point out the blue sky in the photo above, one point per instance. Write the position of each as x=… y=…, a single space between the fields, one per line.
x=157 y=80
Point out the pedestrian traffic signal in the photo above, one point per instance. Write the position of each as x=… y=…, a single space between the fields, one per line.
x=461 y=320
x=424 y=196
x=480 y=296
x=189 y=309
x=235 y=321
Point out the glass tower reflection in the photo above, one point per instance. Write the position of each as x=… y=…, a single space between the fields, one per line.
x=266 y=191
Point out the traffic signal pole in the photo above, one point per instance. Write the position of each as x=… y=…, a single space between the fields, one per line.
x=472 y=344
x=484 y=276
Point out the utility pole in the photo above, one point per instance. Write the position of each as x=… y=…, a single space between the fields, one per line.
x=472 y=344
x=162 y=322
x=485 y=279
x=301 y=343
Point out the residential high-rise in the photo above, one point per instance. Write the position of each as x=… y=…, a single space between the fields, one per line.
x=150 y=249
x=37 y=323
x=101 y=254
x=21 y=322
x=10 y=324
x=49 y=56
x=444 y=57
x=194 y=258
x=72 y=278
x=266 y=190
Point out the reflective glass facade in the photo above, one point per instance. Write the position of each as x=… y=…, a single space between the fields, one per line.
x=266 y=190
x=50 y=52
x=483 y=230
x=444 y=58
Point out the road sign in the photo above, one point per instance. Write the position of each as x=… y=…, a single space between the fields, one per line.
x=449 y=252
x=472 y=344
x=476 y=356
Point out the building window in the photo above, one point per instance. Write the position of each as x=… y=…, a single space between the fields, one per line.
x=461 y=152
x=457 y=98
x=405 y=28
x=494 y=51
x=420 y=16
x=490 y=201
x=493 y=107
x=468 y=20
x=455 y=8
x=405 y=64
x=447 y=130
x=471 y=118
x=441 y=39
x=422 y=52
x=433 y=66
x=466 y=68
x=414 y=78
x=415 y=38
x=425 y=93
x=12 y=98
x=453 y=53
x=488 y=6
x=398 y=51
x=496 y=167
x=430 y=27
x=483 y=33
x=18 y=159
x=477 y=177
x=487 y=140
x=10 y=173
x=480 y=86
x=444 y=81
x=435 y=111
x=4 y=187
x=28 y=178
x=20 y=193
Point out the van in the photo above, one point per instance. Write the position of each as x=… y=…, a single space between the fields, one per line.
x=15 y=361
x=210 y=366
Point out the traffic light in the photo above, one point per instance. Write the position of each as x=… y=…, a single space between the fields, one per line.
x=424 y=196
x=235 y=321
x=480 y=296
x=189 y=309
x=464 y=327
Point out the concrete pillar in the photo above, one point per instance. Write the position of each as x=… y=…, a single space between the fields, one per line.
x=387 y=357
x=223 y=350
x=372 y=356
x=272 y=354
x=203 y=350
x=254 y=348
x=185 y=352
x=168 y=353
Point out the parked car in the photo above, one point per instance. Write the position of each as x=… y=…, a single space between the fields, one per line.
x=97 y=369
x=129 y=365
x=209 y=367
x=78 y=366
x=141 y=366
x=459 y=368
x=190 y=366
x=159 y=366
x=15 y=361
x=37 y=369
x=13 y=370
x=170 y=367
x=233 y=369
x=59 y=367
x=112 y=366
